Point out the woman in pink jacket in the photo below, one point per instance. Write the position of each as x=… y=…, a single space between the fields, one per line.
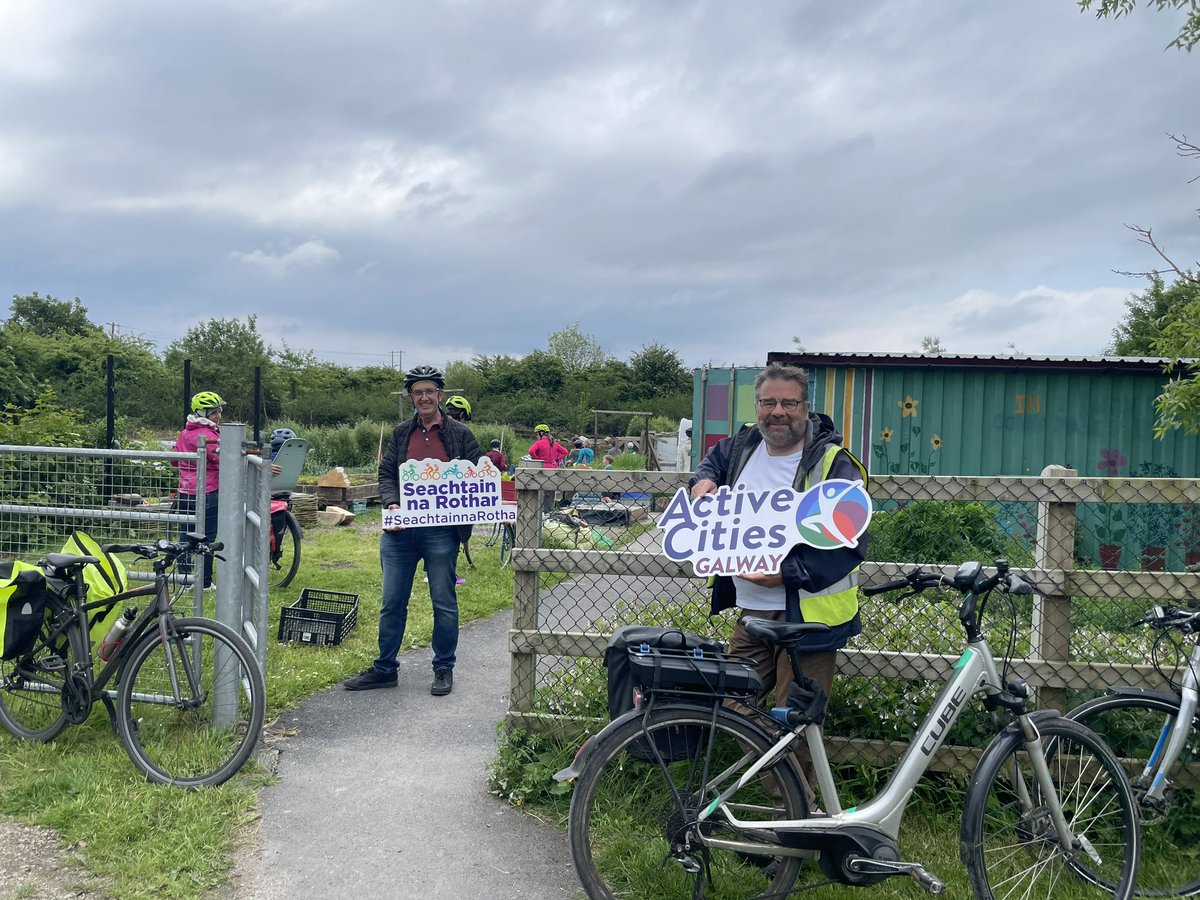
x=203 y=422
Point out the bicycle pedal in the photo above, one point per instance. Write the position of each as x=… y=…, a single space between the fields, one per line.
x=53 y=664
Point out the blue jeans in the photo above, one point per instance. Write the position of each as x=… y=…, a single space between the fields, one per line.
x=185 y=504
x=399 y=552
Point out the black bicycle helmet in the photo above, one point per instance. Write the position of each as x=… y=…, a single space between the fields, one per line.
x=424 y=373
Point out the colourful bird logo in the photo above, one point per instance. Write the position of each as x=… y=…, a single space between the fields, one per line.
x=833 y=514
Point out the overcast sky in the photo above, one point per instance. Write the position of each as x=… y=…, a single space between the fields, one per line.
x=464 y=177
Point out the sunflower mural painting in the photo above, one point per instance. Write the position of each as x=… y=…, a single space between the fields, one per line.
x=902 y=450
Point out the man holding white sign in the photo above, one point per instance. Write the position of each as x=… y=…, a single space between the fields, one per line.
x=429 y=437
x=787 y=448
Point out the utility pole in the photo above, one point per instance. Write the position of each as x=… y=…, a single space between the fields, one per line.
x=396 y=353
x=112 y=328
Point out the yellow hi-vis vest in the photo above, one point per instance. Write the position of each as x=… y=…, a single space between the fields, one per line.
x=838 y=603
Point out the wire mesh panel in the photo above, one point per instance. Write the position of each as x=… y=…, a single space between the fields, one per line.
x=116 y=496
x=588 y=561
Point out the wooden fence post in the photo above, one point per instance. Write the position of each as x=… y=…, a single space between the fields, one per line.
x=1051 y=637
x=523 y=673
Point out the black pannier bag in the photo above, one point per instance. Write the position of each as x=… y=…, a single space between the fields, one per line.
x=22 y=607
x=677 y=661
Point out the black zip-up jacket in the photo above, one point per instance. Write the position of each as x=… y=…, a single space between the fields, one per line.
x=460 y=443
x=805 y=568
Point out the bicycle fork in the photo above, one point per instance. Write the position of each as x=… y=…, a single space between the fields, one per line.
x=1035 y=750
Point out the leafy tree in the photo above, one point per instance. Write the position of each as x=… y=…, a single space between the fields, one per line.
x=224 y=353
x=1148 y=313
x=931 y=345
x=1189 y=32
x=577 y=351
x=657 y=371
x=1179 y=341
x=48 y=315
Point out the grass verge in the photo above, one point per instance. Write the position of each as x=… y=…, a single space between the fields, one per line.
x=141 y=840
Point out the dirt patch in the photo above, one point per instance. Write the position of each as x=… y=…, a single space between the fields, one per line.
x=34 y=865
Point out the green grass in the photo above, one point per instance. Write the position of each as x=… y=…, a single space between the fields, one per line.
x=145 y=841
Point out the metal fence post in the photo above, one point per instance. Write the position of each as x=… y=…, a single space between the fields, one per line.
x=1051 y=633
x=230 y=514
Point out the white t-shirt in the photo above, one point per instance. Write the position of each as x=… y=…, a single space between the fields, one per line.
x=764 y=472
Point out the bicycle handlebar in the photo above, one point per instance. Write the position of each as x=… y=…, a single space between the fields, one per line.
x=1163 y=617
x=916 y=581
x=165 y=547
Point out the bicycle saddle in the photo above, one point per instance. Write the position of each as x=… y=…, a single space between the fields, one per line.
x=782 y=633
x=68 y=561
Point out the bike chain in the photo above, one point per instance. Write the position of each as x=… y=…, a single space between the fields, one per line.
x=76 y=698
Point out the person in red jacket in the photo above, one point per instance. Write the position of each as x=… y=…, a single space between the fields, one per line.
x=496 y=455
x=551 y=453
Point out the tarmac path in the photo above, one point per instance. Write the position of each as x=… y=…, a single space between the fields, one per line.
x=384 y=794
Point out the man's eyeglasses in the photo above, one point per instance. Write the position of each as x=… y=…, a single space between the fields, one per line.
x=430 y=392
x=766 y=404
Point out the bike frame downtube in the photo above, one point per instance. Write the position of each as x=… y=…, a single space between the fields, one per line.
x=1174 y=738
x=974 y=671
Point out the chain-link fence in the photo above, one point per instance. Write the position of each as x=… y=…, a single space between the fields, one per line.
x=588 y=560
x=116 y=496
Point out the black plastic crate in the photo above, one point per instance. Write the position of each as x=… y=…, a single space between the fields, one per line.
x=319 y=617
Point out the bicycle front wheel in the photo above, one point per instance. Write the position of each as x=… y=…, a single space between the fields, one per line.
x=285 y=558
x=1010 y=845
x=190 y=709
x=633 y=821
x=1131 y=725
x=31 y=686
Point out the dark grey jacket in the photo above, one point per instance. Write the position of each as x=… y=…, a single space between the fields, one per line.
x=460 y=444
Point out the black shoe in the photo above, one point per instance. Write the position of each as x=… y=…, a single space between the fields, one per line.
x=443 y=682
x=369 y=679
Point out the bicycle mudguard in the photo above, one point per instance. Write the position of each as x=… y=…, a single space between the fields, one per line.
x=573 y=771
x=1127 y=691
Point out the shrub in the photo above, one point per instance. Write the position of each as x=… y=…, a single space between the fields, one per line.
x=937 y=531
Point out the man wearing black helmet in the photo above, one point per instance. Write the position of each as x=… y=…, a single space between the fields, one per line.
x=429 y=434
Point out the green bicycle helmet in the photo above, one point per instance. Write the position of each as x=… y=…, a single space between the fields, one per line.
x=424 y=373
x=541 y=429
x=459 y=405
x=206 y=400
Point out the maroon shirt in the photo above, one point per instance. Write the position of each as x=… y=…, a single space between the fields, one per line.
x=427 y=444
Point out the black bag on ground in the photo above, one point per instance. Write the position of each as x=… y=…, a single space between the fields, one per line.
x=22 y=607
x=678 y=743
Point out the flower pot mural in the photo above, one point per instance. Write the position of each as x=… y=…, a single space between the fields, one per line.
x=1110 y=556
x=1154 y=559
x=1111 y=535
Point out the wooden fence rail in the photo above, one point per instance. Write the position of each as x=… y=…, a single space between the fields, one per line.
x=1048 y=667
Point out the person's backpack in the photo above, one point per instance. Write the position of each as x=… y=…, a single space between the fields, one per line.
x=22 y=607
x=103 y=579
x=675 y=743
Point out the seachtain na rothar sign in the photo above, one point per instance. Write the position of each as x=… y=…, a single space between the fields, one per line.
x=740 y=532
x=458 y=492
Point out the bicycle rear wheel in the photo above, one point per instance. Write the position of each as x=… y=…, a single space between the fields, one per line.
x=493 y=535
x=285 y=558
x=202 y=733
x=1009 y=843
x=31 y=686
x=633 y=829
x=1131 y=726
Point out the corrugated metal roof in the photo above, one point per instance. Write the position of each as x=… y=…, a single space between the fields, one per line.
x=982 y=360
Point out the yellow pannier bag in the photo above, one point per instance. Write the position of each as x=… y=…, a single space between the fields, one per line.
x=105 y=578
x=22 y=607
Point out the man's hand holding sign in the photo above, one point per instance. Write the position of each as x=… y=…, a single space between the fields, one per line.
x=436 y=492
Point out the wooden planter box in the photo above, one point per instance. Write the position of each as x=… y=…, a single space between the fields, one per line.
x=342 y=496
